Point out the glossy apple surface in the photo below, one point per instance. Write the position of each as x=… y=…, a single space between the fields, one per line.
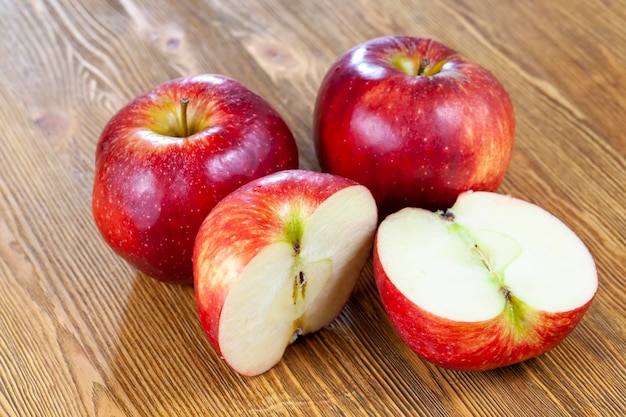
x=414 y=121
x=278 y=259
x=158 y=175
x=488 y=283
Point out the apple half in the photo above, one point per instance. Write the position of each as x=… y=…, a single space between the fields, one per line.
x=490 y=282
x=277 y=259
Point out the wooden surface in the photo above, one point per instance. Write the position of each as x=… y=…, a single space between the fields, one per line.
x=83 y=334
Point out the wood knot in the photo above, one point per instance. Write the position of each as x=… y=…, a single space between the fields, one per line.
x=273 y=56
x=54 y=125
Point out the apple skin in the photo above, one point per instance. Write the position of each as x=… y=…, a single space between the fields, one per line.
x=244 y=223
x=153 y=188
x=470 y=346
x=413 y=140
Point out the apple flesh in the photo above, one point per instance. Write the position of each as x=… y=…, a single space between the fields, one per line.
x=490 y=282
x=277 y=259
x=165 y=159
x=414 y=121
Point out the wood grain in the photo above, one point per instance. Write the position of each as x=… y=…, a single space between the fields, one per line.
x=83 y=334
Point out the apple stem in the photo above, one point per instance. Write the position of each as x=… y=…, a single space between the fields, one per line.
x=447 y=215
x=423 y=64
x=507 y=294
x=183 y=116
x=297 y=333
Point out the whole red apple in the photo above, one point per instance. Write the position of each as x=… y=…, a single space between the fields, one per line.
x=414 y=121
x=165 y=159
x=277 y=259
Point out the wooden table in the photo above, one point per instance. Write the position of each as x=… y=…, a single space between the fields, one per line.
x=84 y=334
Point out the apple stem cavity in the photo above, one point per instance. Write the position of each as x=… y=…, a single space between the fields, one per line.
x=417 y=67
x=184 y=102
x=424 y=62
x=293 y=229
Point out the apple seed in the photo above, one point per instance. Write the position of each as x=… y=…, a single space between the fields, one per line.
x=299 y=287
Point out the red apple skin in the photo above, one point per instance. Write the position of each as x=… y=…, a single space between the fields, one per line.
x=471 y=346
x=242 y=224
x=413 y=140
x=152 y=190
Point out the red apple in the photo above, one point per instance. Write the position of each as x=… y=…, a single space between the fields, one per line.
x=414 y=121
x=277 y=259
x=490 y=282
x=164 y=160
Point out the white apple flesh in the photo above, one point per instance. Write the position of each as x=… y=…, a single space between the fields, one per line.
x=277 y=259
x=490 y=282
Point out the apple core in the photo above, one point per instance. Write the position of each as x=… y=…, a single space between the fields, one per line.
x=514 y=311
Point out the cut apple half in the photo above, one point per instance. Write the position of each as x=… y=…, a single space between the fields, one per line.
x=278 y=259
x=490 y=282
